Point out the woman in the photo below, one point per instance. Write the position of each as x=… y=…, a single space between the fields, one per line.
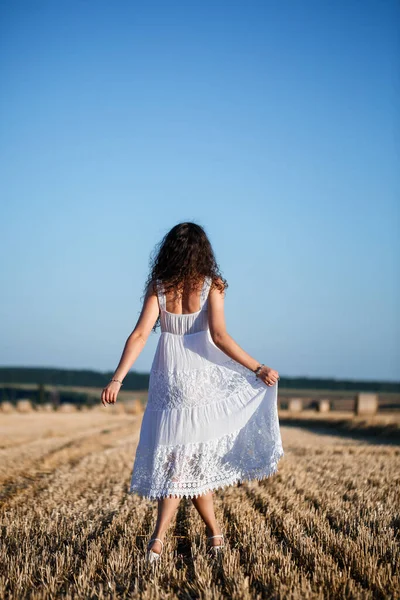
x=211 y=417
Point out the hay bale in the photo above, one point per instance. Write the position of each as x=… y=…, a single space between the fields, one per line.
x=24 y=405
x=7 y=407
x=133 y=407
x=324 y=405
x=295 y=405
x=67 y=407
x=366 y=404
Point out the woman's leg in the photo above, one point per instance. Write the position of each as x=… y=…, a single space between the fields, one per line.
x=205 y=507
x=166 y=510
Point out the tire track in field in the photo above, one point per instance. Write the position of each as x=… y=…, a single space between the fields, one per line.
x=111 y=547
x=173 y=575
x=307 y=559
x=175 y=572
x=358 y=527
x=180 y=532
x=76 y=532
x=195 y=574
x=338 y=504
x=43 y=469
x=232 y=582
x=25 y=457
x=343 y=517
x=322 y=546
x=115 y=555
x=272 y=569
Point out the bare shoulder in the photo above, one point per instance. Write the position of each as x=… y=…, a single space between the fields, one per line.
x=219 y=285
x=152 y=288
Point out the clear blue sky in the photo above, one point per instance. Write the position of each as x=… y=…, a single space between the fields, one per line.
x=275 y=125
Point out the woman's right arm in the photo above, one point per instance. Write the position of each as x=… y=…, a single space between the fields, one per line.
x=134 y=344
x=222 y=339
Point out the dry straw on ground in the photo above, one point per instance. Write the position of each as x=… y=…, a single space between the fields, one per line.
x=133 y=407
x=117 y=409
x=325 y=526
x=46 y=407
x=67 y=407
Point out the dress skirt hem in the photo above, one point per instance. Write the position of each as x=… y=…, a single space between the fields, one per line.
x=252 y=475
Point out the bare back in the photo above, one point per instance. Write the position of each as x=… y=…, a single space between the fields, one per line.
x=184 y=301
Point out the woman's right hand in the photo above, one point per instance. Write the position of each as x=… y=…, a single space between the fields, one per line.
x=110 y=393
x=268 y=376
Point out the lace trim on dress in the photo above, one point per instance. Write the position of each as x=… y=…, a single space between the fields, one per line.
x=172 y=389
x=195 y=469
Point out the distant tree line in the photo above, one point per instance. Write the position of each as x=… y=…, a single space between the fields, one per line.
x=140 y=381
x=38 y=394
x=342 y=385
x=70 y=377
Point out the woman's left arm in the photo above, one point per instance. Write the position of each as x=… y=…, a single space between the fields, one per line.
x=134 y=344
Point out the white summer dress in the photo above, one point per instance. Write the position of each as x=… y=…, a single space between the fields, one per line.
x=208 y=422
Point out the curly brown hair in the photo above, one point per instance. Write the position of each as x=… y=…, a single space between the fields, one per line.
x=184 y=257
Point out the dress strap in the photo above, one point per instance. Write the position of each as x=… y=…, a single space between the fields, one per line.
x=204 y=291
x=203 y=294
x=160 y=294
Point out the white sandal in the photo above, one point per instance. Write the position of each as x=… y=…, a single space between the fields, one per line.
x=152 y=556
x=218 y=547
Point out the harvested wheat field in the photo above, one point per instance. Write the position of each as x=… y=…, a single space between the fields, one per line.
x=325 y=526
